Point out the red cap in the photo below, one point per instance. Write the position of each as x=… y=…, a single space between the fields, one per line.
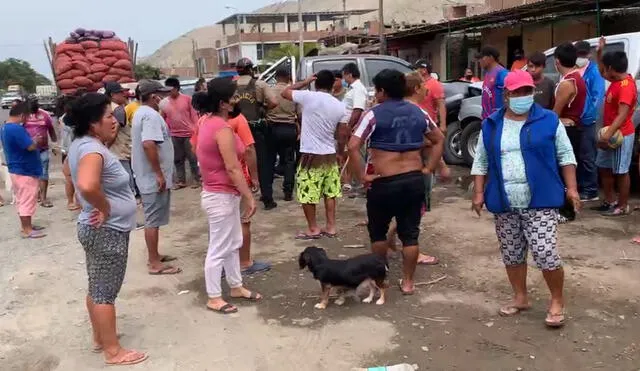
x=518 y=79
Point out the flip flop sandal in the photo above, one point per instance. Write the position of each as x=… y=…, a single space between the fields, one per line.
x=256 y=267
x=74 y=208
x=195 y=186
x=178 y=187
x=225 y=309
x=167 y=258
x=635 y=240
x=511 y=310
x=46 y=204
x=253 y=296
x=38 y=228
x=123 y=362
x=34 y=235
x=307 y=237
x=433 y=261
x=168 y=270
x=406 y=293
x=559 y=322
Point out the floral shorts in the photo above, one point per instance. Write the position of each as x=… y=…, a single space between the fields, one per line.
x=315 y=183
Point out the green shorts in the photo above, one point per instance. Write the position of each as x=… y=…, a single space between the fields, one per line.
x=316 y=183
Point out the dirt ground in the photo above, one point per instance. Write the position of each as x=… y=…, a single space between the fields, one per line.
x=448 y=325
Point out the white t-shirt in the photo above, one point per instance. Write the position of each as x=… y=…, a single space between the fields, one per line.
x=321 y=114
x=356 y=98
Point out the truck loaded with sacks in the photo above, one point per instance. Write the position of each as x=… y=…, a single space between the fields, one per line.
x=89 y=58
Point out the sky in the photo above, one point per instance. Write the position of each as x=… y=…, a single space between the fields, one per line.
x=152 y=23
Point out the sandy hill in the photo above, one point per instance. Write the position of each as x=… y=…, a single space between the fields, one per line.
x=177 y=53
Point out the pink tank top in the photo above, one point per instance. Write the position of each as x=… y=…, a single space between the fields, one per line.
x=213 y=171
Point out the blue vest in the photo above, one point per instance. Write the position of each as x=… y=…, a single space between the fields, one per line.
x=400 y=126
x=537 y=143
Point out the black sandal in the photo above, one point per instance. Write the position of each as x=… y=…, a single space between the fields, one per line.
x=225 y=309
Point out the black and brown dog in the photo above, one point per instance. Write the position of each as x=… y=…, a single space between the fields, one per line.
x=345 y=275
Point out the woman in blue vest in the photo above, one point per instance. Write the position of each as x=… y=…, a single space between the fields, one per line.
x=524 y=162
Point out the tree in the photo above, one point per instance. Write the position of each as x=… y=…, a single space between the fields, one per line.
x=18 y=72
x=147 y=71
x=289 y=50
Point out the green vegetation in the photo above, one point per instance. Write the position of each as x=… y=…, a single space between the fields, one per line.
x=147 y=71
x=18 y=72
x=288 y=50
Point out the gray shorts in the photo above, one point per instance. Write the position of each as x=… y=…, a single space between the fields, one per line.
x=107 y=251
x=529 y=229
x=157 y=207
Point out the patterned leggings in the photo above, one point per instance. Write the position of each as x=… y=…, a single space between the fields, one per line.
x=107 y=251
x=529 y=229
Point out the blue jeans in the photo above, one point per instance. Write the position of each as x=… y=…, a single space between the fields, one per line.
x=587 y=172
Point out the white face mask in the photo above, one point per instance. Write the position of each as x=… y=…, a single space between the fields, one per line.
x=581 y=62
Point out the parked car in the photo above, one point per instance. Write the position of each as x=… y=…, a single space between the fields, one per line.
x=8 y=98
x=471 y=110
x=458 y=94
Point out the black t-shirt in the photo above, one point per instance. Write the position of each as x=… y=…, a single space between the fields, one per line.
x=545 y=93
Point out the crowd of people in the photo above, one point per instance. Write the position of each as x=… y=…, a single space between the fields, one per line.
x=537 y=154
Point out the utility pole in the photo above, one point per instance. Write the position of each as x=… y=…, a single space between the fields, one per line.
x=300 y=29
x=383 y=38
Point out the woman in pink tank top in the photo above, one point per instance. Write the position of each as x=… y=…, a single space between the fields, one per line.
x=219 y=151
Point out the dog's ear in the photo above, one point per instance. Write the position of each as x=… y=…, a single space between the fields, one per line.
x=302 y=260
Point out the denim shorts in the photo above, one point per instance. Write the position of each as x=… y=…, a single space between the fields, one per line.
x=44 y=160
x=619 y=159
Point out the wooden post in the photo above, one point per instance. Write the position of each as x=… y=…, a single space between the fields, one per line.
x=300 y=30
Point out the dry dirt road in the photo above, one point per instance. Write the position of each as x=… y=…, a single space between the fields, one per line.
x=449 y=325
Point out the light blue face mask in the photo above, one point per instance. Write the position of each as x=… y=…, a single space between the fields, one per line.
x=344 y=84
x=521 y=105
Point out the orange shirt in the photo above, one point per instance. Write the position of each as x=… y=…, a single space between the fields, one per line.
x=435 y=91
x=518 y=64
x=621 y=92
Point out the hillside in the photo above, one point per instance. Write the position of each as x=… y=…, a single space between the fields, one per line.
x=177 y=53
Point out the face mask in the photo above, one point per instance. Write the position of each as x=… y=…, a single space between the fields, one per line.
x=581 y=62
x=344 y=84
x=521 y=105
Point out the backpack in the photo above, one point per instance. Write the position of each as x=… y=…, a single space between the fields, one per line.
x=248 y=103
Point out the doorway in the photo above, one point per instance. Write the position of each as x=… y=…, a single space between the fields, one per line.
x=513 y=43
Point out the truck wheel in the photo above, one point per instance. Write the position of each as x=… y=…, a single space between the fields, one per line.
x=469 y=140
x=452 y=145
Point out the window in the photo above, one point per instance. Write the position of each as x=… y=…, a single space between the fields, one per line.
x=550 y=67
x=260 y=52
x=374 y=66
x=331 y=65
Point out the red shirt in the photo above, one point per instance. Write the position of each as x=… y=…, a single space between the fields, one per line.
x=435 y=91
x=621 y=92
x=573 y=110
x=181 y=117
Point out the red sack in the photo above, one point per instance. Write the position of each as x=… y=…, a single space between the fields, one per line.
x=82 y=66
x=93 y=59
x=71 y=74
x=111 y=78
x=89 y=44
x=113 y=45
x=63 y=66
x=72 y=54
x=66 y=84
x=82 y=81
x=123 y=64
x=109 y=61
x=99 y=67
x=103 y=53
x=96 y=86
x=68 y=91
x=122 y=55
x=125 y=80
x=99 y=76
x=66 y=47
x=119 y=72
x=80 y=57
